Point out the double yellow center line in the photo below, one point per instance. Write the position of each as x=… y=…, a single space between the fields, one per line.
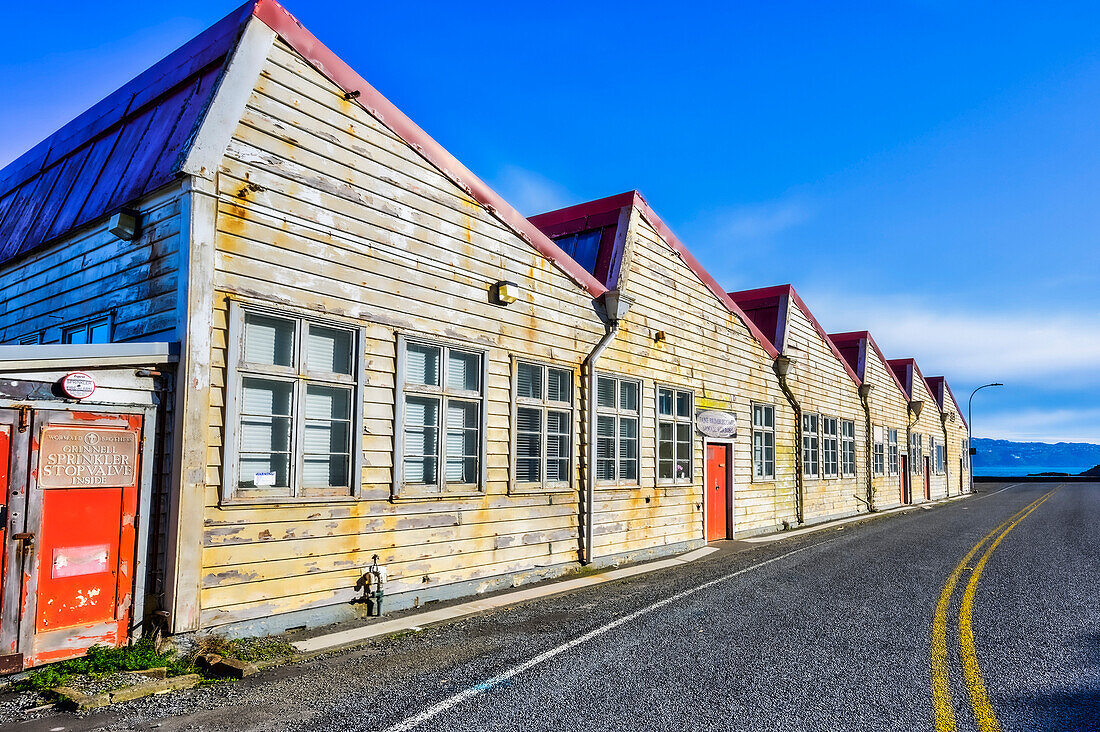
x=972 y=674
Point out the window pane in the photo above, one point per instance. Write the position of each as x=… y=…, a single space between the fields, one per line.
x=605 y=392
x=76 y=335
x=99 y=332
x=265 y=396
x=421 y=439
x=664 y=401
x=326 y=471
x=463 y=432
x=628 y=449
x=665 y=447
x=605 y=448
x=529 y=381
x=329 y=350
x=683 y=450
x=265 y=434
x=422 y=364
x=327 y=402
x=528 y=445
x=683 y=404
x=463 y=371
x=560 y=386
x=268 y=340
x=265 y=471
x=628 y=396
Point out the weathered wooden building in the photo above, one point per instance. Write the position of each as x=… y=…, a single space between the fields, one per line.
x=270 y=333
x=885 y=407
x=927 y=477
x=823 y=390
x=956 y=435
x=689 y=350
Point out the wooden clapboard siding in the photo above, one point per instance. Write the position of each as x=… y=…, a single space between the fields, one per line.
x=822 y=386
x=710 y=351
x=322 y=210
x=90 y=273
x=888 y=411
x=929 y=426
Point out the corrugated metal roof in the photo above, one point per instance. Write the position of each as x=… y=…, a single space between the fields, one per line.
x=126 y=146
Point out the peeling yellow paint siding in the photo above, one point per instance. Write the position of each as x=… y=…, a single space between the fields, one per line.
x=823 y=386
x=340 y=218
x=888 y=411
x=705 y=349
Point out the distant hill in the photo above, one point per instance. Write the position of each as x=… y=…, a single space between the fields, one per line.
x=1004 y=453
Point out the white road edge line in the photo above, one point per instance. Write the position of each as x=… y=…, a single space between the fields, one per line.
x=433 y=711
x=987 y=495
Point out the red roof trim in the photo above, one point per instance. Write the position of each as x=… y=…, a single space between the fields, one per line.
x=276 y=17
x=824 y=336
x=912 y=370
x=945 y=389
x=864 y=334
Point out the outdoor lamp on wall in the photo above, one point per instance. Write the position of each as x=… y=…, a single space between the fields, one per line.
x=124 y=224
x=616 y=304
x=505 y=292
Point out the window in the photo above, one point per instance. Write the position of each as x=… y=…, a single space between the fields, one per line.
x=293 y=412
x=440 y=419
x=543 y=426
x=97 y=330
x=917 y=450
x=810 y=442
x=879 y=452
x=617 y=411
x=763 y=441
x=937 y=450
x=894 y=461
x=965 y=453
x=674 y=435
x=583 y=247
x=31 y=339
x=848 y=447
x=829 y=456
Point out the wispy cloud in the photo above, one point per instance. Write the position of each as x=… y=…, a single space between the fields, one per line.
x=761 y=220
x=971 y=345
x=531 y=193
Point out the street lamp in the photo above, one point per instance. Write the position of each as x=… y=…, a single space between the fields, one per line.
x=970 y=422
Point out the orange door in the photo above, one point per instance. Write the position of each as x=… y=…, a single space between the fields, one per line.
x=717 y=487
x=83 y=501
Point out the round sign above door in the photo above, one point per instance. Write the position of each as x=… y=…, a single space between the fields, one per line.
x=77 y=385
x=716 y=423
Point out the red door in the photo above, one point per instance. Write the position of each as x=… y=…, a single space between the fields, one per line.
x=717 y=487
x=927 y=479
x=905 y=496
x=83 y=509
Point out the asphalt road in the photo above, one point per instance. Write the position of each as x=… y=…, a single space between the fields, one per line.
x=828 y=631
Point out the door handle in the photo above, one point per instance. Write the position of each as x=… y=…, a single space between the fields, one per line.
x=27 y=536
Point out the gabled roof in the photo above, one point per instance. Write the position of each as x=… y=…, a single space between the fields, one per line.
x=126 y=146
x=907 y=371
x=853 y=347
x=767 y=306
x=941 y=390
x=138 y=139
x=606 y=214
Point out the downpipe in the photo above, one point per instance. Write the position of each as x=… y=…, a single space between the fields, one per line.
x=865 y=397
x=589 y=503
x=947 y=459
x=799 y=486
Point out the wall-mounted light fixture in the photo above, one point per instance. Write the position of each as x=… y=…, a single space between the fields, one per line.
x=124 y=224
x=505 y=292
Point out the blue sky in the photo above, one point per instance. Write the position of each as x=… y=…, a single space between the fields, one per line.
x=926 y=170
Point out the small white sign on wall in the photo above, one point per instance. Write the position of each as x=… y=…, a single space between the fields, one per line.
x=263 y=479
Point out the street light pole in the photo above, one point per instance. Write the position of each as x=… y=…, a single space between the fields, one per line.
x=970 y=425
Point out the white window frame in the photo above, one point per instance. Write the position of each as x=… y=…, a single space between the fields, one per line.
x=826 y=438
x=86 y=325
x=759 y=471
x=544 y=405
x=848 y=448
x=878 y=459
x=441 y=488
x=893 y=453
x=237 y=369
x=938 y=456
x=811 y=446
x=674 y=419
x=966 y=453
x=618 y=413
x=917 y=451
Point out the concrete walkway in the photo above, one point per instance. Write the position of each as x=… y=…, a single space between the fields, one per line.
x=418 y=620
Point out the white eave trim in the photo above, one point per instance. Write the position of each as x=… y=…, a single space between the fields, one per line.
x=62 y=356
